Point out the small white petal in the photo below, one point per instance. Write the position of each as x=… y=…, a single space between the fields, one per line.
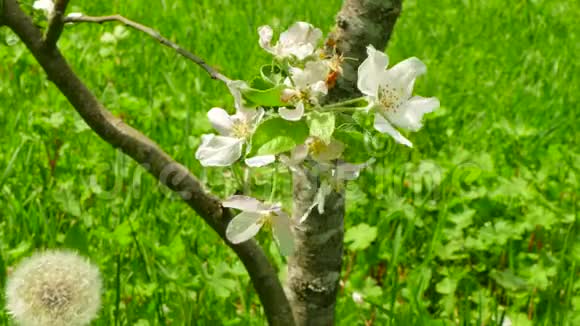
x=302 y=51
x=235 y=87
x=383 y=126
x=410 y=114
x=245 y=203
x=265 y=32
x=299 y=153
x=292 y=115
x=297 y=156
x=46 y=5
x=358 y=298
x=405 y=72
x=281 y=227
x=323 y=191
x=330 y=152
x=258 y=161
x=348 y=171
x=372 y=72
x=299 y=40
x=319 y=88
x=220 y=120
x=218 y=150
x=75 y=15
x=243 y=227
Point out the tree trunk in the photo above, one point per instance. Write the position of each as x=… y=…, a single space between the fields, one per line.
x=314 y=269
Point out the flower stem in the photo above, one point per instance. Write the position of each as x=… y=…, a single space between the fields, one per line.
x=341 y=109
x=345 y=103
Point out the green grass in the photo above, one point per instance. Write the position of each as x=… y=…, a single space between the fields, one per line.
x=478 y=221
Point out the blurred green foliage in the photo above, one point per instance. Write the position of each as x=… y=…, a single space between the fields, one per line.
x=477 y=223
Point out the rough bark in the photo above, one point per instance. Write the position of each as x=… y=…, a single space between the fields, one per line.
x=314 y=270
x=358 y=24
x=143 y=150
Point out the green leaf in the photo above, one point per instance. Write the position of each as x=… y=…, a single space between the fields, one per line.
x=263 y=97
x=361 y=236
x=355 y=150
x=509 y=280
x=272 y=74
x=321 y=125
x=447 y=285
x=76 y=238
x=277 y=135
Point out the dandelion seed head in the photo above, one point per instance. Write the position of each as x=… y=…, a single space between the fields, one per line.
x=54 y=288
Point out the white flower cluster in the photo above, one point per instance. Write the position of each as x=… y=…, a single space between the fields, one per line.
x=306 y=73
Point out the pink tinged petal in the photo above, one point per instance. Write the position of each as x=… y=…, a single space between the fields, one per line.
x=218 y=150
x=410 y=114
x=383 y=126
x=372 y=72
x=220 y=120
x=245 y=203
x=292 y=115
x=243 y=227
x=265 y=32
x=235 y=87
x=348 y=171
x=258 y=161
x=281 y=227
x=299 y=153
x=405 y=72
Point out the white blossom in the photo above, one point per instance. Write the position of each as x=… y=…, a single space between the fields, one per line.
x=305 y=85
x=45 y=5
x=235 y=132
x=256 y=214
x=389 y=92
x=357 y=297
x=75 y=15
x=299 y=41
x=54 y=288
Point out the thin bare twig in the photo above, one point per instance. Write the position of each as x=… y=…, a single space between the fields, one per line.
x=56 y=23
x=154 y=34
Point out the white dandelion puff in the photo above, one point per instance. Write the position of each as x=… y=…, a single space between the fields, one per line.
x=54 y=288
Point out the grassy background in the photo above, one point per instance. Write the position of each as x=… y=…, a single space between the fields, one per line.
x=479 y=221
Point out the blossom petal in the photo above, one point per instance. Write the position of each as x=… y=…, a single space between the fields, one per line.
x=243 y=227
x=297 y=156
x=220 y=120
x=405 y=72
x=299 y=153
x=235 y=87
x=258 y=161
x=245 y=203
x=292 y=115
x=319 y=200
x=46 y=5
x=219 y=150
x=299 y=40
x=281 y=227
x=382 y=125
x=330 y=152
x=372 y=71
x=348 y=171
x=410 y=114
x=265 y=32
